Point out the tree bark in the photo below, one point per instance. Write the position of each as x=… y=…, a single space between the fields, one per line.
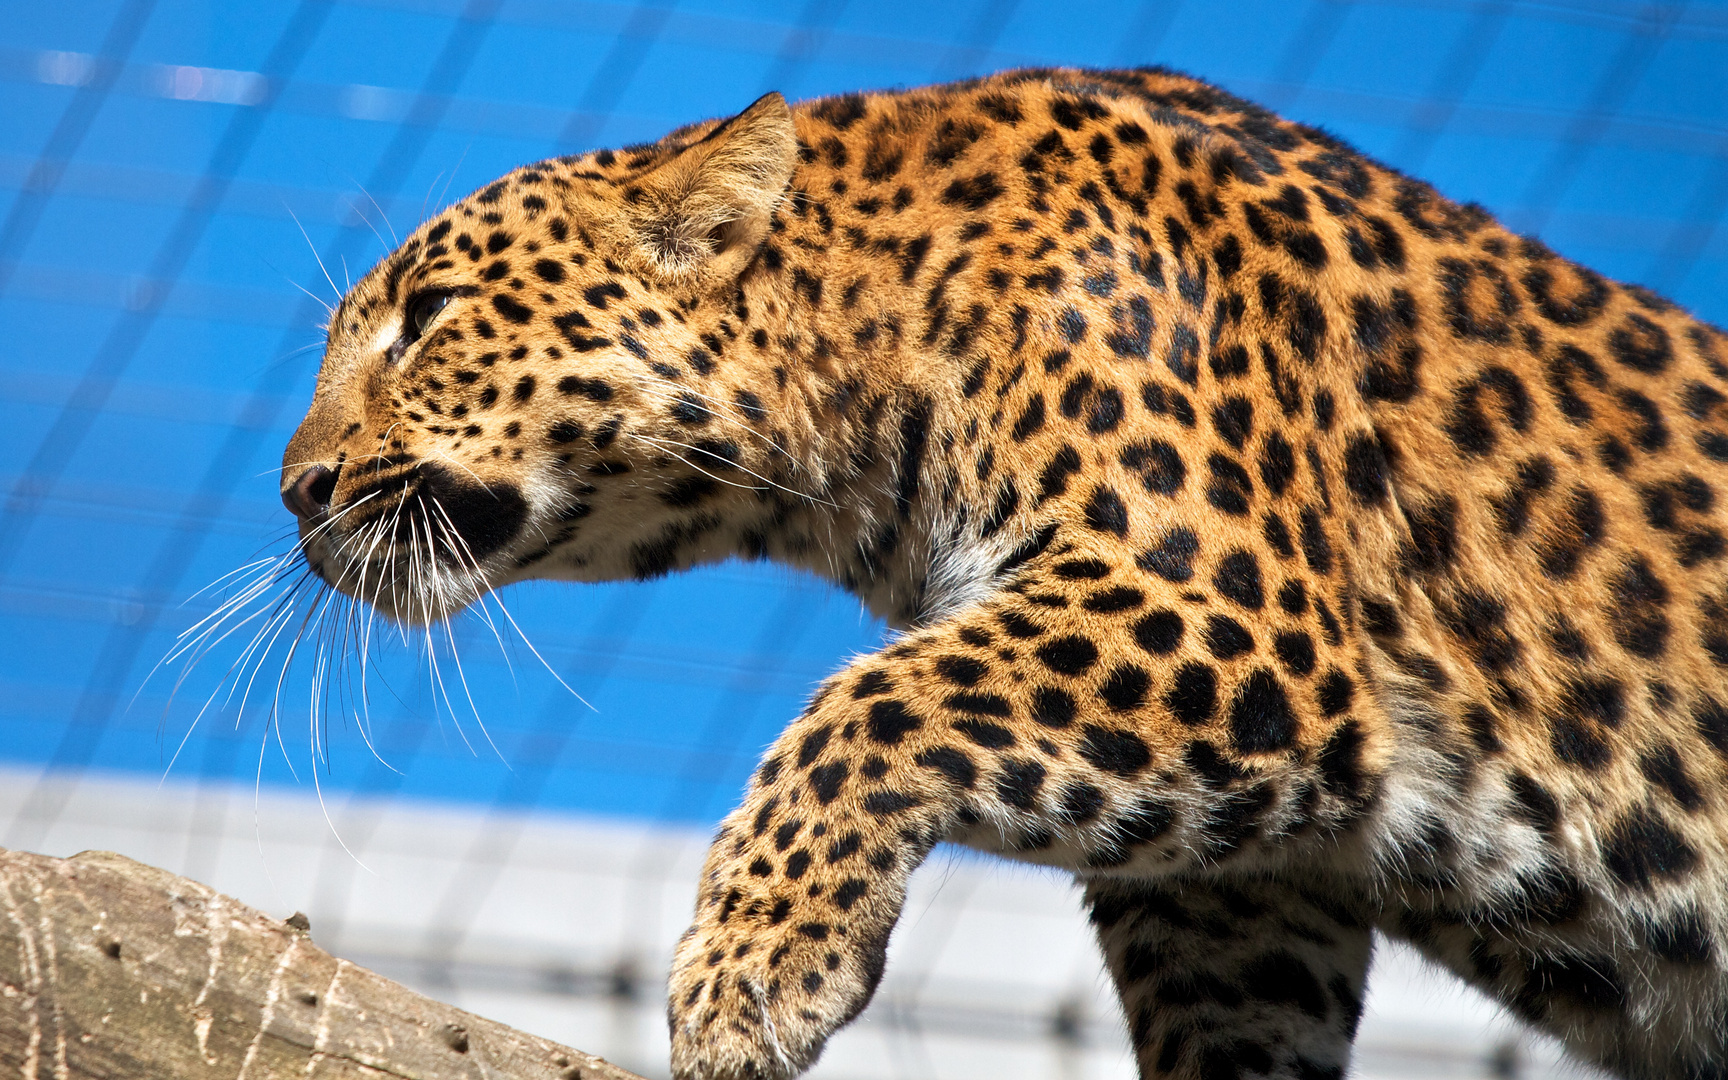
x=113 y=970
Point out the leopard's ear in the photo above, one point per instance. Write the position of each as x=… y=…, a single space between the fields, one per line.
x=708 y=208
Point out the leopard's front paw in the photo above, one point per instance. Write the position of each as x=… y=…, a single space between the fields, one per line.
x=756 y=989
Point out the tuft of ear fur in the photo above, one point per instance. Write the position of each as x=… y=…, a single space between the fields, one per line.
x=708 y=208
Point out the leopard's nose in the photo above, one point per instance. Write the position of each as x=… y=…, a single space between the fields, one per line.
x=309 y=495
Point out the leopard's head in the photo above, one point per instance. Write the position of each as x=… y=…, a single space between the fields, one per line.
x=507 y=394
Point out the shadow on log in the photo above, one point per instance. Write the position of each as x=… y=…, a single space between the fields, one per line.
x=113 y=970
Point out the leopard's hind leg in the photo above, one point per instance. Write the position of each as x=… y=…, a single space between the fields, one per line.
x=1234 y=976
x=1633 y=988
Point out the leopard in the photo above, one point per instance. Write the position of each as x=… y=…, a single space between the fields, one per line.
x=1291 y=553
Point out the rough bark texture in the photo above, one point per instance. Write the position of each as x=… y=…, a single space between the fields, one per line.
x=113 y=969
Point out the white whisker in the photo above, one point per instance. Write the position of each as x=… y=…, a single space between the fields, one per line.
x=314 y=248
x=454 y=540
x=664 y=443
x=726 y=412
x=499 y=600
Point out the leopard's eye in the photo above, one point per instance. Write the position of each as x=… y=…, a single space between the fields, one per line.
x=422 y=310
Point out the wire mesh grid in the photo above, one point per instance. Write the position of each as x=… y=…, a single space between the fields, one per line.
x=186 y=185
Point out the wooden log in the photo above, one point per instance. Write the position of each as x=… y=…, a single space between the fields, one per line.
x=113 y=970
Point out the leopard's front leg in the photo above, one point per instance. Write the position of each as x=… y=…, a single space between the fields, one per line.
x=806 y=879
x=1136 y=732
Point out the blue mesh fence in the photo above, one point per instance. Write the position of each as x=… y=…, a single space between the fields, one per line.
x=184 y=185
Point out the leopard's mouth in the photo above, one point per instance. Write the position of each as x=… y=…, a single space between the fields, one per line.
x=418 y=543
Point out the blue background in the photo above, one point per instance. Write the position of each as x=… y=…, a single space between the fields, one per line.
x=173 y=173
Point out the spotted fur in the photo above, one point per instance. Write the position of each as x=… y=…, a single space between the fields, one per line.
x=1285 y=549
